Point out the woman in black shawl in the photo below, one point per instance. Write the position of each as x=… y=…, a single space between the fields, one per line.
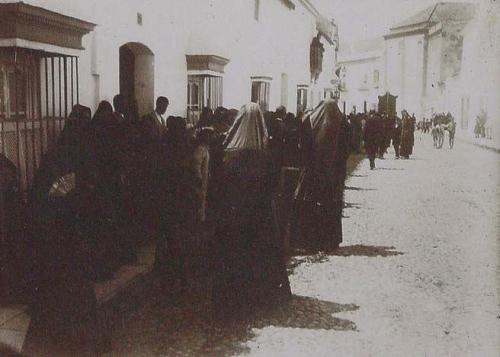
x=251 y=267
x=319 y=194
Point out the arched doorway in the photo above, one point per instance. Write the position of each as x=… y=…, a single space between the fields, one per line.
x=137 y=75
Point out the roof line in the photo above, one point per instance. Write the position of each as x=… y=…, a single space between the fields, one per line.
x=433 y=10
x=310 y=7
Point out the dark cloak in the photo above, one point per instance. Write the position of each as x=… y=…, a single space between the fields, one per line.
x=319 y=193
x=250 y=270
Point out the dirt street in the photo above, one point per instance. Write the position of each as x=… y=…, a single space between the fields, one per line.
x=426 y=273
x=417 y=274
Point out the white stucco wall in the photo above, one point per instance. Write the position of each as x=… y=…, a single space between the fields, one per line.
x=479 y=80
x=276 y=44
x=404 y=72
x=357 y=91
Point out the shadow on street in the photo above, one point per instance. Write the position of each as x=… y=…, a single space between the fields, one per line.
x=366 y=251
x=352 y=188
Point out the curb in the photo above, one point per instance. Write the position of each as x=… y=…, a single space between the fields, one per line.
x=479 y=145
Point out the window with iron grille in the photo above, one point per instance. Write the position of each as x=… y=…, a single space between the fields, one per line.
x=261 y=87
x=37 y=92
x=203 y=91
x=301 y=99
x=12 y=92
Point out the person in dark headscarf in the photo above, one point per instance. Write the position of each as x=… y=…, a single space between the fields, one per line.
x=319 y=194
x=206 y=118
x=407 y=135
x=251 y=267
x=177 y=202
x=108 y=141
x=291 y=141
x=64 y=319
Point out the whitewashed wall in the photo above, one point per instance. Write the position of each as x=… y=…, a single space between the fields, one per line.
x=357 y=91
x=404 y=72
x=479 y=80
x=276 y=44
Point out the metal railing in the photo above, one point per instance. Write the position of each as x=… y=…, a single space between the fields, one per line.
x=38 y=93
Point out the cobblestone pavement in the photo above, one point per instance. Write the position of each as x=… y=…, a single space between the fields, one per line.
x=417 y=275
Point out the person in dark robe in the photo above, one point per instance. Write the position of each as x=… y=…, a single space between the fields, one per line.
x=108 y=142
x=175 y=204
x=396 y=136
x=291 y=141
x=407 y=135
x=250 y=268
x=386 y=132
x=356 y=132
x=64 y=320
x=206 y=118
x=121 y=107
x=372 y=137
x=319 y=194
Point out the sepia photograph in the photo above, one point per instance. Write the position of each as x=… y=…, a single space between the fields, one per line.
x=262 y=178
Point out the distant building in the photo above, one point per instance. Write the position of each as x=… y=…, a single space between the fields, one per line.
x=477 y=88
x=422 y=53
x=442 y=59
x=361 y=71
x=197 y=53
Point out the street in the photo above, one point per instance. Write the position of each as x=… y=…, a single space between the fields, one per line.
x=416 y=275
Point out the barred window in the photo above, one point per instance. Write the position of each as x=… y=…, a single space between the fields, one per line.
x=301 y=99
x=261 y=87
x=203 y=91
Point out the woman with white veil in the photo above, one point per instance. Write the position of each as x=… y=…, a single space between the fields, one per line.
x=250 y=267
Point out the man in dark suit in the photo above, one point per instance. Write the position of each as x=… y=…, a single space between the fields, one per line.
x=155 y=121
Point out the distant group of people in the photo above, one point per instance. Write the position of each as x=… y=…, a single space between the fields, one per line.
x=204 y=193
x=376 y=131
x=442 y=123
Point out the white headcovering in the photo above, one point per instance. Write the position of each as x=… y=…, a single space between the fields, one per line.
x=248 y=131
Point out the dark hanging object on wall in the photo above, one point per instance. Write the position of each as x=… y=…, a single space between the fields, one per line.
x=387 y=104
x=316 y=58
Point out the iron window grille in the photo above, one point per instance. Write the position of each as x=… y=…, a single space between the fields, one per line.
x=37 y=92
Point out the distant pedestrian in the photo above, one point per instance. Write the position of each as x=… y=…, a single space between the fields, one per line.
x=396 y=136
x=372 y=137
x=407 y=135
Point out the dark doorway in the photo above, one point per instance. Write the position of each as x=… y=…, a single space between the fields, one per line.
x=137 y=75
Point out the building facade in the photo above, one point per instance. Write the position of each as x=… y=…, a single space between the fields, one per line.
x=422 y=53
x=197 y=53
x=477 y=88
x=442 y=59
x=361 y=71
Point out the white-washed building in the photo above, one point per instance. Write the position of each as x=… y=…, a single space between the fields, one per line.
x=197 y=53
x=422 y=53
x=477 y=88
x=361 y=71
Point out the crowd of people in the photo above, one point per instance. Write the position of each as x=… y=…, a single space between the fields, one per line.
x=376 y=131
x=204 y=193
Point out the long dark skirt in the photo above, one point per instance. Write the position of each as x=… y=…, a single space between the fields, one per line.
x=250 y=270
x=316 y=227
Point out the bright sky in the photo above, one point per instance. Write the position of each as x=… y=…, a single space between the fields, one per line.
x=360 y=19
